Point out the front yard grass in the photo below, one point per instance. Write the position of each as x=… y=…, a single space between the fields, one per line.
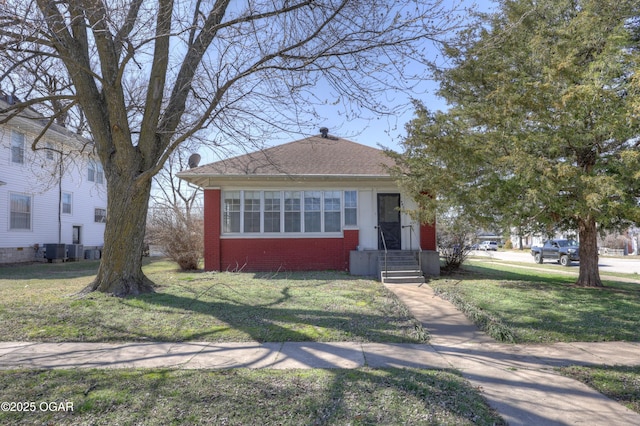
x=620 y=383
x=40 y=302
x=247 y=397
x=530 y=306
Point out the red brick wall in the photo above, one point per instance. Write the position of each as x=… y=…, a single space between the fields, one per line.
x=270 y=254
x=212 y=230
x=351 y=241
x=428 y=236
x=287 y=254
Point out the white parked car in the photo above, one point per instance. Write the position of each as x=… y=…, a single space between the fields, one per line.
x=488 y=245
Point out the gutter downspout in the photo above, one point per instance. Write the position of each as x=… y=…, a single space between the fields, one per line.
x=60 y=200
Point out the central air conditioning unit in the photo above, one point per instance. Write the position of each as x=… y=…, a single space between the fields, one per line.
x=55 y=251
x=75 y=251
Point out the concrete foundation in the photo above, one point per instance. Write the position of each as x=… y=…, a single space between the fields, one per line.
x=365 y=263
x=20 y=255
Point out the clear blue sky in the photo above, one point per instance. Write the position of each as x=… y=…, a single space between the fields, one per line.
x=372 y=130
x=388 y=131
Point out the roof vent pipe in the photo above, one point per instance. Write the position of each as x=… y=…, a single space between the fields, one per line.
x=324 y=132
x=194 y=160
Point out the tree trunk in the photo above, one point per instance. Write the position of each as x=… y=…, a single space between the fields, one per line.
x=120 y=272
x=589 y=271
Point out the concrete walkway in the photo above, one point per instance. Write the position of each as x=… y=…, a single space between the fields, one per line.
x=517 y=380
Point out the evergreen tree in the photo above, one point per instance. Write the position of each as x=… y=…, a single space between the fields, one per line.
x=543 y=126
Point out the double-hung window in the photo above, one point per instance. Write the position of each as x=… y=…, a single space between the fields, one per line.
x=95 y=172
x=66 y=202
x=100 y=215
x=350 y=208
x=17 y=147
x=269 y=212
x=48 y=150
x=272 y=211
x=332 y=211
x=312 y=211
x=292 y=211
x=19 y=212
x=251 y=211
x=231 y=212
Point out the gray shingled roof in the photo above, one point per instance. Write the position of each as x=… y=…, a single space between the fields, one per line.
x=312 y=156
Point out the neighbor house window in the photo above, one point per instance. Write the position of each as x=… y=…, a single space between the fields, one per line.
x=251 y=211
x=332 y=211
x=17 y=147
x=66 y=202
x=20 y=212
x=48 y=150
x=272 y=211
x=350 y=208
x=292 y=211
x=312 y=215
x=95 y=172
x=231 y=212
x=100 y=215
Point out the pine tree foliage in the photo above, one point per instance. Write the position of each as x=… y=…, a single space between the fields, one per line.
x=543 y=127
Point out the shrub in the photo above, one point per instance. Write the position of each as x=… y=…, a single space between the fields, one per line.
x=179 y=235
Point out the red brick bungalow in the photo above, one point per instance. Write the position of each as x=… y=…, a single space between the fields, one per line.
x=320 y=203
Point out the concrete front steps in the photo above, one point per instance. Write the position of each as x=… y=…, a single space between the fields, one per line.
x=401 y=268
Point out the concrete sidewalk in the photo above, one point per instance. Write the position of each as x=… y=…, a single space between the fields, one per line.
x=517 y=380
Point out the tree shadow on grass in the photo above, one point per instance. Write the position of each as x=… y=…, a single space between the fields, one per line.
x=269 y=322
x=39 y=270
x=543 y=309
x=320 y=397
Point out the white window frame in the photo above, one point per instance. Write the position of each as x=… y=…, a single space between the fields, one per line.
x=95 y=215
x=63 y=204
x=29 y=199
x=18 y=141
x=232 y=209
x=48 y=150
x=95 y=173
x=348 y=207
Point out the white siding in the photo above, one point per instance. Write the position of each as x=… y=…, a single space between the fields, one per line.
x=39 y=177
x=368 y=218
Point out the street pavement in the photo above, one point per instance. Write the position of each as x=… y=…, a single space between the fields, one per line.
x=519 y=381
x=626 y=265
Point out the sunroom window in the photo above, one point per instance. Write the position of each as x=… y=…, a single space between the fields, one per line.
x=251 y=211
x=272 y=218
x=332 y=211
x=272 y=212
x=312 y=214
x=231 y=212
x=292 y=211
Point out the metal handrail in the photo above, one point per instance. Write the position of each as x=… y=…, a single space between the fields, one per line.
x=384 y=244
x=419 y=248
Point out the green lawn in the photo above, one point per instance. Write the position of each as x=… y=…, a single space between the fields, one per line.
x=40 y=303
x=247 y=397
x=619 y=383
x=530 y=306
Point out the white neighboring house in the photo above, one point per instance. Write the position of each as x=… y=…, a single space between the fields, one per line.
x=55 y=195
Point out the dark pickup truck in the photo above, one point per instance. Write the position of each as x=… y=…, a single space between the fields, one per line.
x=562 y=251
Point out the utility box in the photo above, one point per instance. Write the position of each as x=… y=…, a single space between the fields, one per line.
x=92 y=254
x=55 y=252
x=75 y=251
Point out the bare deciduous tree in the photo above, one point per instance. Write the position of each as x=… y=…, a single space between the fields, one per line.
x=145 y=76
x=176 y=215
